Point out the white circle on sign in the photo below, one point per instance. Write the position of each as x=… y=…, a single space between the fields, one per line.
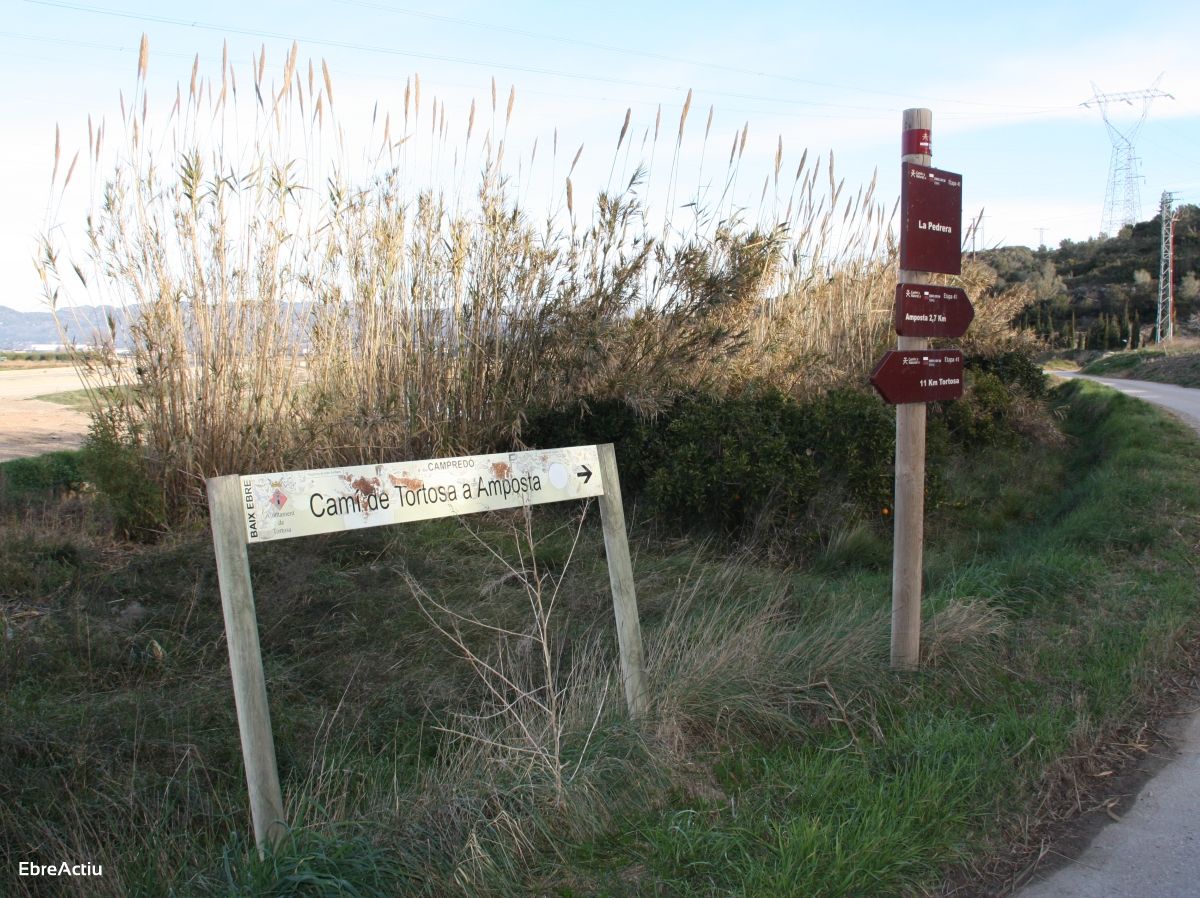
x=559 y=475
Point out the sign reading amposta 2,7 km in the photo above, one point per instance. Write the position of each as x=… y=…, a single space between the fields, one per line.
x=300 y=503
x=926 y=310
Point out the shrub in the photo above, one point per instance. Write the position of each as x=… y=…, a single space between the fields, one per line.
x=585 y=422
x=1016 y=369
x=51 y=474
x=734 y=463
x=854 y=436
x=729 y=461
x=114 y=461
x=980 y=417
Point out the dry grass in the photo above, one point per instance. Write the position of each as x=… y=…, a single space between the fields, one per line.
x=290 y=312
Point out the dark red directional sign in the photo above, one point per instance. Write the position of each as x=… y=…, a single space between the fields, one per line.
x=919 y=375
x=930 y=219
x=923 y=310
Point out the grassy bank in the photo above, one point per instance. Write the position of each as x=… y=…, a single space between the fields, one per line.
x=424 y=753
x=1177 y=366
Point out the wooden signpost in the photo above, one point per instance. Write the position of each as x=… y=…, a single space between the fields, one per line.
x=913 y=374
x=263 y=507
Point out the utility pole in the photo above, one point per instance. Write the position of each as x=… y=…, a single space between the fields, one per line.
x=1166 y=269
x=1041 y=237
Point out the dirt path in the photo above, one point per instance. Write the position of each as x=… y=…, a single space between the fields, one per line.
x=30 y=426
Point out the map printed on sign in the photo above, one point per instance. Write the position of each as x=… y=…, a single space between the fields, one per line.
x=930 y=219
x=301 y=503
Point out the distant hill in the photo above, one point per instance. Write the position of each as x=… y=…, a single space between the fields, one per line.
x=23 y=330
x=1095 y=292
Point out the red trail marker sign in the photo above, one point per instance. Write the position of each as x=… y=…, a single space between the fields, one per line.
x=919 y=375
x=930 y=219
x=924 y=310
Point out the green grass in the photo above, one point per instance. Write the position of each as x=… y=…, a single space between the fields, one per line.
x=84 y=400
x=781 y=758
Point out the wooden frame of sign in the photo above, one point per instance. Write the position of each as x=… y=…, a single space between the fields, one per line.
x=263 y=507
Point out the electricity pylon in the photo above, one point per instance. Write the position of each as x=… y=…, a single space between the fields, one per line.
x=1122 y=205
x=1166 y=272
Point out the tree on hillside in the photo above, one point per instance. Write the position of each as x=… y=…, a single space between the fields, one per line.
x=1189 y=288
x=1082 y=290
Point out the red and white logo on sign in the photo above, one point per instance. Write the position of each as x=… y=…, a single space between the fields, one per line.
x=278 y=498
x=916 y=142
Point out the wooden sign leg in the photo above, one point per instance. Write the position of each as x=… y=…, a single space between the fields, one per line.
x=245 y=660
x=620 y=575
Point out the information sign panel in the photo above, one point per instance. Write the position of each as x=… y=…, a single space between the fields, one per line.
x=930 y=219
x=923 y=310
x=919 y=375
x=301 y=503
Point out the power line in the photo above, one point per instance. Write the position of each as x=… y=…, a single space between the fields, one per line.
x=881 y=111
x=650 y=54
x=436 y=57
x=623 y=101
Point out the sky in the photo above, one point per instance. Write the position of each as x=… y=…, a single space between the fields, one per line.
x=1005 y=83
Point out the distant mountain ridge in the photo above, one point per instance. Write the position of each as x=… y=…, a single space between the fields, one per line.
x=24 y=330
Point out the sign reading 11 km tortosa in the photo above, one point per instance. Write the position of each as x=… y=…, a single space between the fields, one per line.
x=302 y=503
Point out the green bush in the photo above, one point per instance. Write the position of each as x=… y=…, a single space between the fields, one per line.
x=733 y=463
x=984 y=415
x=587 y=422
x=854 y=437
x=981 y=417
x=51 y=474
x=1016 y=369
x=113 y=460
x=729 y=461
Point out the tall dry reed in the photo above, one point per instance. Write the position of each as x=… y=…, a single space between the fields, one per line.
x=294 y=304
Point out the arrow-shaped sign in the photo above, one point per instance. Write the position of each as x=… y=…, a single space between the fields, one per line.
x=585 y=473
x=923 y=310
x=919 y=375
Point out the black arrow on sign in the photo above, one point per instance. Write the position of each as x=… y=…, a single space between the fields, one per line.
x=586 y=473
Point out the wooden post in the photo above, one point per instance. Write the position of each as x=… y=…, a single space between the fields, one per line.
x=909 y=519
x=245 y=660
x=620 y=575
